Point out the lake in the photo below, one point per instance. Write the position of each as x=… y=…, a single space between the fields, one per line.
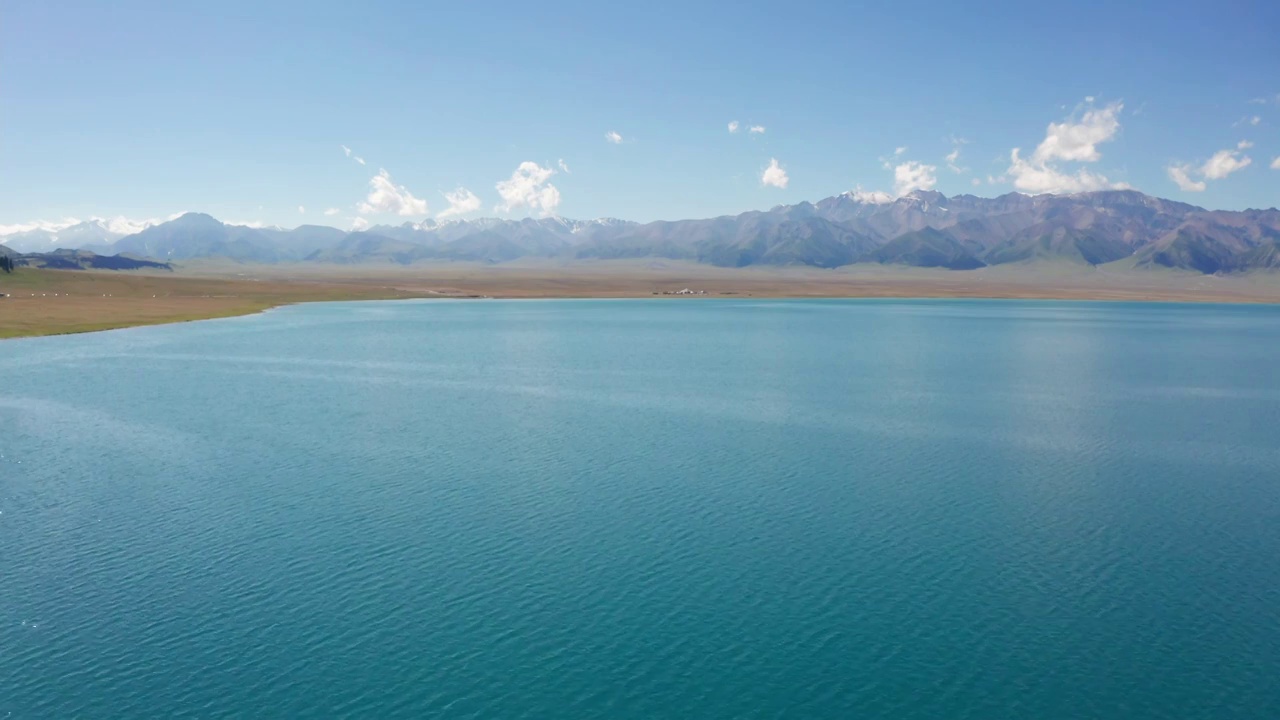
x=647 y=509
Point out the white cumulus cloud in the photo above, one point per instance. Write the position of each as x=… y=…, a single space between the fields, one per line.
x=613 y=137
x=387 y=197
x=302 y=210
x=1036 y=178
x=1275 y=164
x=1220 y=165
x=1181 y=176
x=733 y=126
x=908 y=176
x=121 y=224
x=914 y=175
x=871 y=197
x=118 y=224
x=899 y=150
x=359 y=224
x=1078 y=141
x=757 y=130
x=774 y=175
x=461 y=202
x=48 y=225
x=1223 y=163
x=528 y=187
x=1073 y=140
x=332 y=211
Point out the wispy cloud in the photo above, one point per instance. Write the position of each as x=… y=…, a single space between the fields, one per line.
x=332 y=211
x=1244 y=145
x=733 y=126
x=774 y=175
x=1275 y=164
x=613 y=137
x=757 y=130
x=346 y=150
x=385 y=197
x=529 y=187
x=461 y=202
x=899 y=150
x=302 y=210
x=564 y=168
x=953 y=157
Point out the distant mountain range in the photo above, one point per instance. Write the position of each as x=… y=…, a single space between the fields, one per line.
x=84 y=234
x=922 y=229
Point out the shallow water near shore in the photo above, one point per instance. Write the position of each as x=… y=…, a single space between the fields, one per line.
x=647 y=508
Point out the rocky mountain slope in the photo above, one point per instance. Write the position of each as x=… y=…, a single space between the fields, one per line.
x=922 y=229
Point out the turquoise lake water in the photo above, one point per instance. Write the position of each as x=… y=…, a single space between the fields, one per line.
x=647 y=509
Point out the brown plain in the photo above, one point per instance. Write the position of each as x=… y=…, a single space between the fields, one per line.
x=45 y=302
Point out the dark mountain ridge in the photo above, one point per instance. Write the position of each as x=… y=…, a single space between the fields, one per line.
x=65 y=259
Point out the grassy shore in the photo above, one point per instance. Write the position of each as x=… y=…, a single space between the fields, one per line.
x=54 y=302
x=48 y=302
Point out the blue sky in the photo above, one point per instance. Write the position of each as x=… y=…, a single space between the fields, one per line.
x=241 y=109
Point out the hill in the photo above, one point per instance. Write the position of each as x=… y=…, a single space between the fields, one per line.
x=926 y=247
x=86 y=260
x=1044 y=241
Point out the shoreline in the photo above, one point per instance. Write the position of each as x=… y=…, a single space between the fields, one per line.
x=63 y=302
x=107 y=327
